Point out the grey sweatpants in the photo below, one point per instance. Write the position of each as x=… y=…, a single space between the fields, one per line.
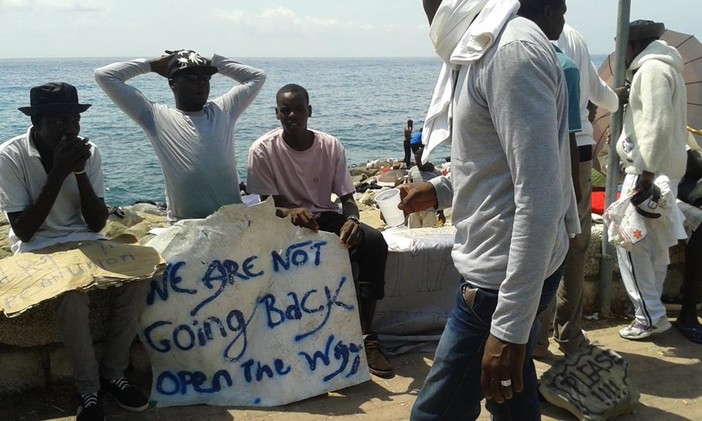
x=72 y=313
x=568 y=306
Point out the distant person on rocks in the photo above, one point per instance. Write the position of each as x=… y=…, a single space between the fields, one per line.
x=52 y=191
x=513 y=199
x=652 y=150
x=416 y=139
x=417 y=174
x=195 y=140
x=406 y=143
x=301 y=168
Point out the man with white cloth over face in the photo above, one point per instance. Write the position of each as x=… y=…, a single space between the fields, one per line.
x=512 y=195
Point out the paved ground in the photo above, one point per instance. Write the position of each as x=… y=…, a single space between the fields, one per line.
x=666 y=370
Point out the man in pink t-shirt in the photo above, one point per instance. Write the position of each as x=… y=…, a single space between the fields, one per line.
x=301 y=168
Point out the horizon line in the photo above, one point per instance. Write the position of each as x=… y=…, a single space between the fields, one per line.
x=242 y=57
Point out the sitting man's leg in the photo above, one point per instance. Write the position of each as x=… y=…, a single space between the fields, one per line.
x=72 y=315
x=126 y=304
x=371 y=255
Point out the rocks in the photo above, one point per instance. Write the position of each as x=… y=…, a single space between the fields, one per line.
x=392 y=178
x=4 y=243
x=21 y=369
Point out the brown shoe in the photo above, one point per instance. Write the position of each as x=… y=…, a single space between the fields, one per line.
x=378 y=363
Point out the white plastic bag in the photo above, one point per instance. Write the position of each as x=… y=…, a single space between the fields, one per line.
x=625 y=227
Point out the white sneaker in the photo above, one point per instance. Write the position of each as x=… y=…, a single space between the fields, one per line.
x=637 y=330
x=662 y=325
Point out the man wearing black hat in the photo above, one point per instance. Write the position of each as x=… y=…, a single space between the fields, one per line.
x=52 y=190
x=652 y=150
x=195 y=140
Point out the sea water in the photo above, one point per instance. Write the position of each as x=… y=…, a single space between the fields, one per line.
x=365 y=102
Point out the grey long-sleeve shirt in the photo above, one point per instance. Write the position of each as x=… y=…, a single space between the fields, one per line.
x=510 y=174
x=196 y=149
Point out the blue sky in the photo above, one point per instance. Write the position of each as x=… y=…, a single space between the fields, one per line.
x=271 y=28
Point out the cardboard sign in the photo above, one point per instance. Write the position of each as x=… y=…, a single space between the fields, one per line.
x=29 y=278
x=251 y=311
x=593 y=384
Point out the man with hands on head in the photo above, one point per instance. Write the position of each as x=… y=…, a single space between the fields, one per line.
x=512 y=197
x=301 y=168
x=194 y=141
x=52 y=191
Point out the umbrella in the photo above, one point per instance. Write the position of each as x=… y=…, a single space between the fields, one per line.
x=691 y=50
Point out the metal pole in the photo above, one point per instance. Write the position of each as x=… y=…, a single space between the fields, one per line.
x=608 y=252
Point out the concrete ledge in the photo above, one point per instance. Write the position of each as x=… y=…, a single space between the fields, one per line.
x=31 y=353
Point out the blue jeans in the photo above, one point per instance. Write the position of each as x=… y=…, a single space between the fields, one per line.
x=452 y=389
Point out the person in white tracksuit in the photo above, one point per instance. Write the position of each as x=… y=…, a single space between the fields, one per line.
x=652 y=150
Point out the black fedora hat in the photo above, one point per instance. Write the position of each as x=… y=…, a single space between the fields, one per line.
x=53 y=98
x=645 y=29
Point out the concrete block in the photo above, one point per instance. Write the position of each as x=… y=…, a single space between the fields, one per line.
x=37 y=326
x=673 y=282
x=21 y=369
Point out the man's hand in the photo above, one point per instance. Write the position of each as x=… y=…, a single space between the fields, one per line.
x=302 y=217
x=623 y=94
x=70 y=156
x=160 y=65
x=441 y=217
x=645 y=181
x=350 y=234
x=417 y=197
x=502 y=368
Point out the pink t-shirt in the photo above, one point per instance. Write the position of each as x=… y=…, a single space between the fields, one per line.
x=303 y=179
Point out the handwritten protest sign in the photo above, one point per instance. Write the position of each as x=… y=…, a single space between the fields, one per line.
x=251 y=311
x=29 y=278
x=593 y=384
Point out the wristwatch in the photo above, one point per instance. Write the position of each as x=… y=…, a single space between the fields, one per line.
x=354 y=219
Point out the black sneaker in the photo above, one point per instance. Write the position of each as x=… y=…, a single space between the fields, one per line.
x=126 y=395
x=378 y=363
x=90 y=408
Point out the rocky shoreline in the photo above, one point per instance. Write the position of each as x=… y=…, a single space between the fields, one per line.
x=133 y=223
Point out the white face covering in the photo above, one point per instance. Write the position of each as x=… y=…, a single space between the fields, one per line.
x=463 y=30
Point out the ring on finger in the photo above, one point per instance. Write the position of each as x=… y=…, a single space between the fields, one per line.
x=506 y=383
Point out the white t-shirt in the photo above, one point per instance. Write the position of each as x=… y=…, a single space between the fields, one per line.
x=592 y=87
x=22 y=177
x=302 y=179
